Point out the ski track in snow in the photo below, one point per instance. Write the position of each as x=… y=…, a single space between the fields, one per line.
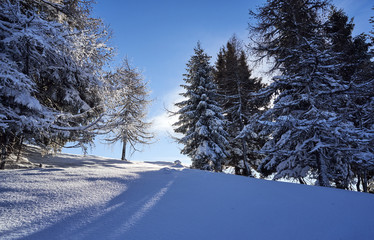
x=78 y=197
x=141 y=212
x=98 y=198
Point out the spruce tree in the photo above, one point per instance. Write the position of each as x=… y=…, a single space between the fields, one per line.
x=356 y=70
x=235 y=85
x=200 y=118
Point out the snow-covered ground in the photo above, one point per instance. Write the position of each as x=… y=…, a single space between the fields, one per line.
x=99 y=198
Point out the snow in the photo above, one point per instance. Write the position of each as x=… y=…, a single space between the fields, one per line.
x=76 y=197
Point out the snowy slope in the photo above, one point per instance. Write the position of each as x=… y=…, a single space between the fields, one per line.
x=98 y=198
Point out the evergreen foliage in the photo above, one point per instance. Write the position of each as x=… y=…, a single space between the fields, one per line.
x=277 y=22
x=235 y=85
x=308 y=128
x=356 y=71
x=200 y=118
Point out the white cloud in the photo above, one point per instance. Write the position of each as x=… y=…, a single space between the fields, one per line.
x=163 y=122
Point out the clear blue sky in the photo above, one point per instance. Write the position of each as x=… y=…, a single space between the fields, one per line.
x=159 y=36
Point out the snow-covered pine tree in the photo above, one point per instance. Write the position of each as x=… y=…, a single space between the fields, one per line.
x=307 y=136
x=352 y=53
x=200 y=117
x=51 y=56
x=235 y=85
x=252 y=106
x=356 y=70
x=126 y=108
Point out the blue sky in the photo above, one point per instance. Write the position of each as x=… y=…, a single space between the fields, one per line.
x=159 y=36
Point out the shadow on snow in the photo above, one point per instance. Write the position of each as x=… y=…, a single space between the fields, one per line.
x=118 y=216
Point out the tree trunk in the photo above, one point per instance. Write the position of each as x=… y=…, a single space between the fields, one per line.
x=322 y=172
x=365 y=182
x=124 y=141
x=19 y=149
x=2 y=164
x=218 y=166
x=3 y=152
x=301 y=180
x=247 y=170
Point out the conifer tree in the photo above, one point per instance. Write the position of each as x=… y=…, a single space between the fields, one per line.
x=200 y=118
x=319 y=125
x=356 y=70
x=51 y=56
x=306 y=134
x=235 y=85
x=126 y=108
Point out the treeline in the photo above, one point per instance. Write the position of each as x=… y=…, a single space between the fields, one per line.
x=54 y=86
x=314 y=123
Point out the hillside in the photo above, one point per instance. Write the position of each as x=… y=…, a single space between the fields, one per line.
x=76 y=197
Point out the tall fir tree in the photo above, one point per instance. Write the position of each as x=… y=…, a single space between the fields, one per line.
x=235 y=85
x=200 y=118
x=356 y=69
x=307 y=136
